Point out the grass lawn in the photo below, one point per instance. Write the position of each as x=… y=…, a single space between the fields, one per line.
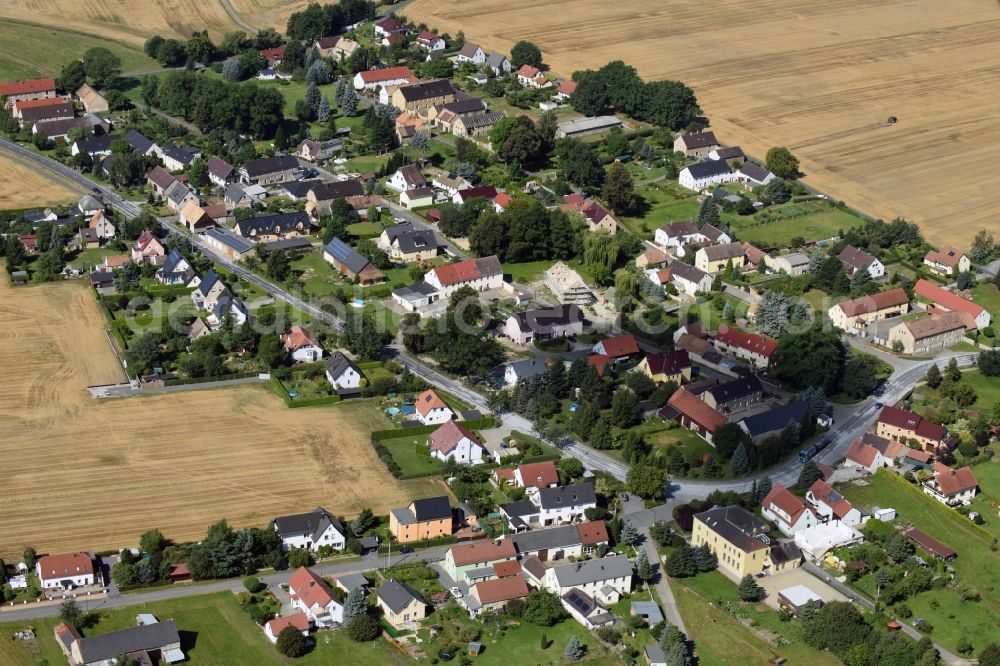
x=318 y=278
x=975 y=566
x=988 y=296
x=365 y=229
x=721 y=639
x=34 y=51
x=93 y=256
x=666 y=204
x=987 y=394
x=531 y=271
x=823 y=223
x=214 y=630
x=988 y=476
x=412 y=456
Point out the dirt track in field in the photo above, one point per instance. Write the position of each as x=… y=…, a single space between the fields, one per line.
x=814 y=76
x=86 y=474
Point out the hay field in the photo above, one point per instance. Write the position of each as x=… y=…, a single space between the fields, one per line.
x=129 y=21
x=82 y=473
x=23 y=187
x=816 y=76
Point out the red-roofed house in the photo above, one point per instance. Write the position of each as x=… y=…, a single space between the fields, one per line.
x=949 y=302
x=273 y=56
x=493 y=595
x=695 y=414
x=301 y=344
x=600 y=363
x=501 y=201
x=664 y=367
x=148 y=248
x=619 y=347
x=748 y=346
x=534 y=476
x=789 y=512
x=566 y=88
x=462 y=559
x=854 y=315
x=453 y=441
x=592 y=534
x=377 y=78
x=311 y=595
x=65 y=571
x=15 y=91
x=531 y=77
x=431 y=409
x=429 y=41
x=599 y=219
x=831 y=506
x=947 y=261
x=300 y=621
x=481 y=274
x=865 y=456
x=390 y=25
x=900 y=425
x=952 y=487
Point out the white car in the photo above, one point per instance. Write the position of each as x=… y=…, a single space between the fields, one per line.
x=456 y=592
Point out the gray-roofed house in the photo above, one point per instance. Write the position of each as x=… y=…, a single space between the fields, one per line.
x=649 y=611
x=351 y=263
x=416 y=297
x=88 y=205
x=268 y=170
x=177 y=270
x=418 y=96
x=140 y=144
x=208 y=290
x=236 y=197
x=735 y=395
x=147 y=642
x=317 y=151
x=772 y=422
x=407 y=177
x=310 y=530
x=228 y=305
x=272 y=227
x=564 y=504
x=654 y=655
x=351 y=582
x=426 y=518
x=159 y=180
x=322 y=196
x=543 y=324
x=95 y=146
x=176 y=158
x=701 y=175
x=585 y=609
x=233 y=246
x=405 y=243
x=402 y=605
x=220 y=172
x=476 y=124
x=515 y=371
x=591 y=576
x=716 y=258
x=698 y=144
x=499 y=63
x=343 y=375
x=178 y=195
x=753 y=175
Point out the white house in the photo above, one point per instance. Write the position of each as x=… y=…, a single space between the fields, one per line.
x=303 y=347
x=471 y=53
x=689 y=279
x=865 y=456
x=65 y=571
x=564 y=504
x=832 y=507
x=953 y=487
x=678 y=234
x=453 y=441
x=231 y=305
x=208 y=291
x=789 y=512
x=429 y=41
x=342 y=373
x=855 y=259
x=700 y=175
x=102 y=226
x=431 y=409
x=310 y=530
x=378 y=78
x=590 y=576
x=274 y=627
x=311 y=595
x=753 y=176
x=481 y=274
x=406 y=178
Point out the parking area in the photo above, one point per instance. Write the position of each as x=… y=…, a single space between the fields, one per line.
x=780 y=581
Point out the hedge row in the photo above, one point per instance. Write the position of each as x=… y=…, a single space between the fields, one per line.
x=205 y=380
x=474 y=424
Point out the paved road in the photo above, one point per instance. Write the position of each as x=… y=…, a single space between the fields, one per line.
x=368 y=563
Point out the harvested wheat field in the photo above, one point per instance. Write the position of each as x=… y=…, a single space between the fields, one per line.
x=129 y=21
x=82 y=473
x=816 y=76
x=23 y=187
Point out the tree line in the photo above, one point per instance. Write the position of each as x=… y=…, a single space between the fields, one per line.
x=618 y=87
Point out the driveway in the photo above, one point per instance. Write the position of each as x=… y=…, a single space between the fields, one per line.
x=779 y=581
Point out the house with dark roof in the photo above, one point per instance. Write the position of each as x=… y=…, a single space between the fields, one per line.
x=310 y=530
x=563 y=504
x=773 y=421
x=177 y=270
x=556 y=543
x=406 y=178
x=428 y=518
x=406 y=243
x=735 y=395
x=229 y=244
x=753 y=175
x=146 y=643
x=321 y=197
x=95 y=146
x=544 y=324
x=585 y=609
x=662 y=367
x=855 y=259
x=422 y=95
x=176 y=158
x=343 y=375
x=272 y=227
x=591 y=576
x=401 y=604
x=452 y=441
x=678 y=234
x=466 y=195
x=699 y=144
x=702 y=175
x=269 y=170
x=900 y=425
x=351 y=263
x=220 y=172
x=741 y=541
x=717 y=258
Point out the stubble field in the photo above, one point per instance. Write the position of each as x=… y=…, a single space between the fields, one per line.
x=22 y=187
x=86 y=474
x=815 y=76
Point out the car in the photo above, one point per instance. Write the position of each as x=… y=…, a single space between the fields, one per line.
x=879 y=405
x=406 y=550
x=97 y=190
x=456 y=592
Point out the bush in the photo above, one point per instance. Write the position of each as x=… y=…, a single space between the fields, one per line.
x=251 y=583
x=363 y=629
x=292 y=643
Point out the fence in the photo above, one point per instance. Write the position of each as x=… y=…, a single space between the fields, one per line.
x=282 y=392
x=207 y=380
x=474 y=424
